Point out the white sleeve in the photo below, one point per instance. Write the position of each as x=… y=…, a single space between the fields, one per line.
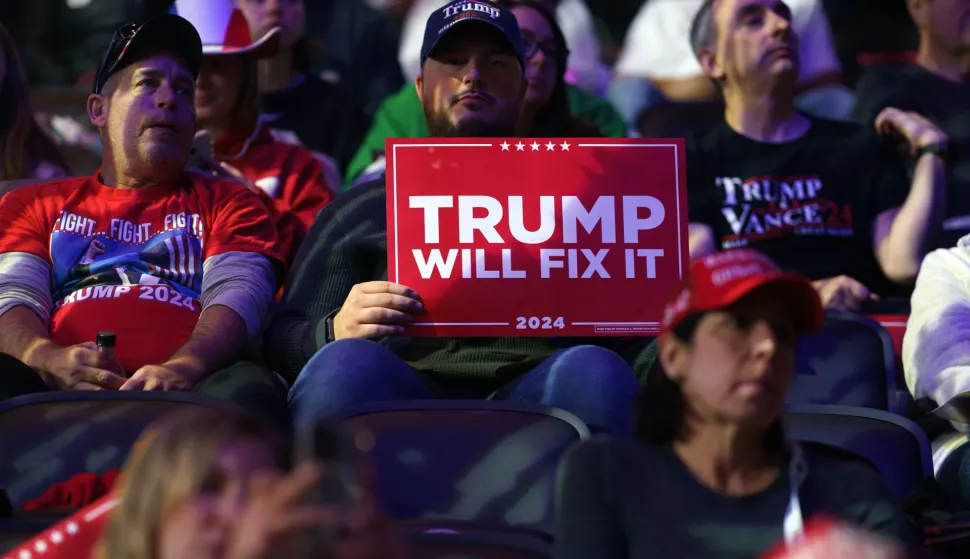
x=585 y=57
x=815 y=47
x=936 y=346
x=25 y=281
x=657 y=45
x=412 y=36
x=243 y=281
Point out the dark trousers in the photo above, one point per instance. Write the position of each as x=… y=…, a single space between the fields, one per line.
x=249 y=385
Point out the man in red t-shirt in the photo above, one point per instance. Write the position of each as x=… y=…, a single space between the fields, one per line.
x=180 y=265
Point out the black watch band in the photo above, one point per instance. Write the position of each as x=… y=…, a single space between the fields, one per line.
x=942 y=149
x=329 y=333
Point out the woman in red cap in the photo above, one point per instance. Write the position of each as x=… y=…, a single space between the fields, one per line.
x=712 y=475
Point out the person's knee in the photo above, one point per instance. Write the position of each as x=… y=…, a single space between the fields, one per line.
x=596 y=364
x=350 y=372
x=351 y=357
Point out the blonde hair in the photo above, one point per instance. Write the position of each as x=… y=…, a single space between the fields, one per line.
x=167 y=468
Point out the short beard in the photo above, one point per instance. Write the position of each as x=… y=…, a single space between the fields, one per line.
x=440 y=126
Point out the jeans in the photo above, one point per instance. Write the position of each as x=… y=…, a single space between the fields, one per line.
x=591 y=382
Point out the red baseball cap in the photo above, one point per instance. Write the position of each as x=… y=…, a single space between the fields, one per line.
x=719 y=280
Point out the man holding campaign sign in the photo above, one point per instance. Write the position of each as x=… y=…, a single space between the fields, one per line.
x=349 y=336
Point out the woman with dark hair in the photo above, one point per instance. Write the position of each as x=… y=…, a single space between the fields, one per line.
x=26 y=150
x=713 y=475
x=545 y=110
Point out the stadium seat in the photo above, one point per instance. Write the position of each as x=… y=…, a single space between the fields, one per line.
x=893 y=444
x=477 y=546
x=473 y=461
x=849 y=362
x=46 y=438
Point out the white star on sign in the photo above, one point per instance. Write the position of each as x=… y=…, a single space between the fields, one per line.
x=565 y=146
x=550 y=147
x=25 y=554
x=41 y=546
x=535 y=146
x=71 y=528
x=56 y=537
x=520 y=146
x=505 y=146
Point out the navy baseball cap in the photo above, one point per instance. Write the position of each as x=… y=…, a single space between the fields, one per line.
x=472 y=11
x=166 y=32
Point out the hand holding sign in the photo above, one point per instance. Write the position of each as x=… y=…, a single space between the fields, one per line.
x=375 y=309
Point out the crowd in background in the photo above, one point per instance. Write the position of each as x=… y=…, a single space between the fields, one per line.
x=210 y=187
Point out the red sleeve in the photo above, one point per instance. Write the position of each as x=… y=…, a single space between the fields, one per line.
x=241 y=223
x=23 y=229
x=306 y=191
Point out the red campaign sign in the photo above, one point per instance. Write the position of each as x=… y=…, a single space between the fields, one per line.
x=572 y=237
x=75 y=537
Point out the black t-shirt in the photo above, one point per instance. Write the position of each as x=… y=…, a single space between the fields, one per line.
x=619 y=499
x=325 y=117
x=809 y=204
x=946 y=104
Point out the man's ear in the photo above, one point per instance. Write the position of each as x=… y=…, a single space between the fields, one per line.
x=419 y=85
x=710 y=63
x=98 y=110
x=672 y=354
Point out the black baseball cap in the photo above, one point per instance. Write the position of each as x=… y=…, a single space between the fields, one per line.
x=464 y=12
x=167 y=32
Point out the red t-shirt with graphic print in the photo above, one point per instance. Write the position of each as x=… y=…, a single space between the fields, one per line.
x=131 y=261
x=290 y=175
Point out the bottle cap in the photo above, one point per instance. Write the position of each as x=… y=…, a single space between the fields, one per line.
x=106 y=339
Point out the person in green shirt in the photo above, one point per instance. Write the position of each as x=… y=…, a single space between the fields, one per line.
x=401 y=115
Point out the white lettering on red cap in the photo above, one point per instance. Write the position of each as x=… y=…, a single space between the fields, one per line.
x=731 y=273
x=730 y=256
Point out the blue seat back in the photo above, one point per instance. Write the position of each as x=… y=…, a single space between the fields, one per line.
x=491 y=463
x=47 y=438
x=896 y=446
x=849 y=362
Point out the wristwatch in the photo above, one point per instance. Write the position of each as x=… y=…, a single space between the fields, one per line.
x=328 y=330
x=324 y=333
x=941 y=149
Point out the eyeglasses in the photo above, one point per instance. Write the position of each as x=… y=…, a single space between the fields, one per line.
x=532 y=48
x=116 y=49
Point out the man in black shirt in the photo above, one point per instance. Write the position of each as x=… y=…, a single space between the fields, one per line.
x=937 y=86
x=826 y=199
x=339 y=331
